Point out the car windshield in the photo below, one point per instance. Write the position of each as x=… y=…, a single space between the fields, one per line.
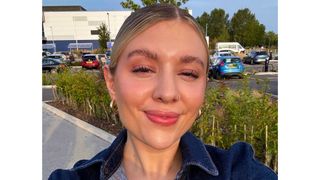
x=86 y=58
x=232 y=60
x=262 y=53
x=54 y=56
x=225 y=54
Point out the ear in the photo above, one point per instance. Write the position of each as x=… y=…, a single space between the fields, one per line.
x=109 y=79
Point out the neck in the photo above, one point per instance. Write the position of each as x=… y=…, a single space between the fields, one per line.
x=144 y=162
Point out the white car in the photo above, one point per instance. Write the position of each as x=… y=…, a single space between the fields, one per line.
x=218 y=54
x=45 y=53
x=61 y=57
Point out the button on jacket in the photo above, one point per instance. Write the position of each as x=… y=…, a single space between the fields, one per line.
x=199 y=162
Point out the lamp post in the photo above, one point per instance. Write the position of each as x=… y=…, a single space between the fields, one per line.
x=109 y=29
x=75 y=32
x=54 y=45
x=206 y=29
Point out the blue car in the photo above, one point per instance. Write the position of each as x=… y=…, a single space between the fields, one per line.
x=226 y=66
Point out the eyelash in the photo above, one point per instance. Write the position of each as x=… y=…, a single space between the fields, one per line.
x=141 y=69
x=144 y=69
x=191 y=74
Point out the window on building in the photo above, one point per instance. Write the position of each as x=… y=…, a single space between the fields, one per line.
x=94 y=32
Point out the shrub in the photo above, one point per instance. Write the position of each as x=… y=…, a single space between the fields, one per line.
x=49 y=78
x=86 y=92
x=240 y=115
x=228 y=115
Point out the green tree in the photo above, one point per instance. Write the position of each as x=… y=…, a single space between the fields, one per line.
x=246 y=29
x=217 y=25
x=271 y=39
x=129 y=4
x=104 y=37
x=203 y=20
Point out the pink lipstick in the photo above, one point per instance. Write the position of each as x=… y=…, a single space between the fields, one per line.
x=162 y=118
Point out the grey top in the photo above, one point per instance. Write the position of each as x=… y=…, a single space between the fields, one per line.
x=119 y=174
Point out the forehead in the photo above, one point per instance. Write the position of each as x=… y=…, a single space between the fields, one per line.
x=174 y=36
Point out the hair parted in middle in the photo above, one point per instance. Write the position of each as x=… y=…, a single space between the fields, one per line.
x=144 y=18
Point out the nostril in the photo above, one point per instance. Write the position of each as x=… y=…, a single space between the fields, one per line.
x=168 y=98
x=166 y=88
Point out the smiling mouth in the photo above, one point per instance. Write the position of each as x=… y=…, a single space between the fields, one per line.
x=162 y=118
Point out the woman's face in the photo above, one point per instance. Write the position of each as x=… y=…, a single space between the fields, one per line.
x=160 y=82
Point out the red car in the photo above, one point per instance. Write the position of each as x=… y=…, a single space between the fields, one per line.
x=90 y=61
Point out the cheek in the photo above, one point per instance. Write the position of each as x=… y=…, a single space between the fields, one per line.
x=131 y=92
x=193 y=96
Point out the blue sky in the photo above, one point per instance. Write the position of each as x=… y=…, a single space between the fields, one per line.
x=266 y=11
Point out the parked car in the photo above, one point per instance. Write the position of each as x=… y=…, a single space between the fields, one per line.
x=255 y=57
x=90 y=61
x=102 y=58
x=50 y=64
x=108 y=54
x=108 y=61
x=66 y=53
x=226 y=66
x=84 y=53
x=45 y=53
x=218 y=54
x=60 y=57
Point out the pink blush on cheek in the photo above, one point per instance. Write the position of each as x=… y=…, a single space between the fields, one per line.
x=133 y=90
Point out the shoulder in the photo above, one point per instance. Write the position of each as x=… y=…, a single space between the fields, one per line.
x=238 y=162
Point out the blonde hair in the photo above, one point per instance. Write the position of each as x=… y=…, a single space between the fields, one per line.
x=144 y=18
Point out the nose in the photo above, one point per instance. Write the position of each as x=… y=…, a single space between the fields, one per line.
x=166 y=90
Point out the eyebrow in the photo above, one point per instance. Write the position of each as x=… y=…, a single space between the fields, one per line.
x=191 y=59
x=187 y=59
x=143 y=52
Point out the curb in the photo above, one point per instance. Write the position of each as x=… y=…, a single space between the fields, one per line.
x=274 y=96
x=266 y=73
x=78 y=122
x=49 y=86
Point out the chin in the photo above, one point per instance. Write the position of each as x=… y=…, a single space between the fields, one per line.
x=161 y=140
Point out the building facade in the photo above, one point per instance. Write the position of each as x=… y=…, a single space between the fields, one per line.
x=63 y=25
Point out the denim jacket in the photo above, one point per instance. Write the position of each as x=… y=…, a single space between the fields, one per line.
x=199 y=162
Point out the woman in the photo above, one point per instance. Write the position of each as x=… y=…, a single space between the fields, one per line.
x=157 y=79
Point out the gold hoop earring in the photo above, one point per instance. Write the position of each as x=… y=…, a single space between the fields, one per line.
x=111 y=104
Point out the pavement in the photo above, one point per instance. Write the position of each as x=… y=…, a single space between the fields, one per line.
x=67 y=139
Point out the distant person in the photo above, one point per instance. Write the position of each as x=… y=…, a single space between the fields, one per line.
x=157 y=80
x=270 y=55
x=267 y=61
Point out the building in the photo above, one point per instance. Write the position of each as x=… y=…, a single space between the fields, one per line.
x=71 y=27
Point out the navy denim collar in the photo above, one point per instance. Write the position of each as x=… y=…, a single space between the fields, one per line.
x=193 y=152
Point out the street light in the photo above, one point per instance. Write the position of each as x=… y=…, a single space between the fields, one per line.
x=206 y=29
x=109 y=29
x=54 y=45
x=75 y=32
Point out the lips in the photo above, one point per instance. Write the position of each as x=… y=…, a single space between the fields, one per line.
x=162 y=118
